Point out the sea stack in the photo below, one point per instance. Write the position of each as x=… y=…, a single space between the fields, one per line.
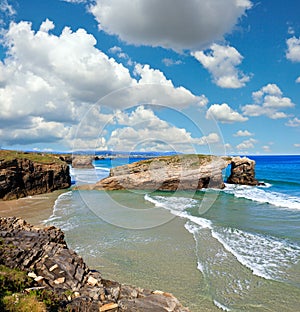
x=179 y=172
x=242 y=171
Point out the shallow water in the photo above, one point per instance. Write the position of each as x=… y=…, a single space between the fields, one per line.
x=236 y=249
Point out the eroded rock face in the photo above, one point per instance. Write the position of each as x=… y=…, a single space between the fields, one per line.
x=171 y=173
x=45 y=256
x=82 y=162
x=23 y=177
x=242 y=171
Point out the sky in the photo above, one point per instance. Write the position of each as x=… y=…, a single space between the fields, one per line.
x=204 y=76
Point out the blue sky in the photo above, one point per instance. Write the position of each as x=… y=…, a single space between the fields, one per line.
x=205 y=76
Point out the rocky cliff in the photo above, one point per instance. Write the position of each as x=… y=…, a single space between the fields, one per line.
x=45 y=256
x=180 y=172
x=242 y=171
x=20 y=177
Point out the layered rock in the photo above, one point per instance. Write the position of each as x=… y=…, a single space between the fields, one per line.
x=82 y=162
x=242 y=171
x=180 y=172
x=24 y=177
x=44 y=255
x=169 y=173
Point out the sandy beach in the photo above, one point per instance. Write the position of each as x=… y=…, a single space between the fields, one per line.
x=34 y=209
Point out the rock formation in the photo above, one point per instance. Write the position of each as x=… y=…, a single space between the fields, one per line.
x=180 y=172
x=242 y=171
x=24 y=177
x=44 y=255
x=82 y=162
x=168 y=173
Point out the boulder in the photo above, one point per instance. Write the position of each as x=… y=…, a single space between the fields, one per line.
x=82 y=162
x=242 y=171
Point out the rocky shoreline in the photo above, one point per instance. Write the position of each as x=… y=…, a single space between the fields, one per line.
x=21 y=177
x=44 y=255
x=179 y=172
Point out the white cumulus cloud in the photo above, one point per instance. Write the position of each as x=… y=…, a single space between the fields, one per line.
x=268 y=101
x=295 y=122
x=142 y=128
x=222 y=61
x=173 y=24
x=247 y=144
x=224 y=113
x=243 y=133
x=58 y=77
x=293 y=51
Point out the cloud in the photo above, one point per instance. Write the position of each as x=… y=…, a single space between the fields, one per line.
x=222 y=61
x=266 y=148
x=171 y=62
x=7 y=12
x=142 y=128
x=7 y=8
x=293 y=122
x=247 y=144
x=291 y=30
x=269 y=101
x=171 y=24
x=38 y=130
x=293 y=51
x=161 y=90
x=297 y=144
x=58 y=77
x=243 y=133
x=224 y=113
x=122 y=55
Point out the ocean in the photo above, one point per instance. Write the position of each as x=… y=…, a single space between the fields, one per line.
x=236 y=249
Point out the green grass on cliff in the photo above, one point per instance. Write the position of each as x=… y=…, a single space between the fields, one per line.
x=189 y=159
x=42 y=158
x=14 y=298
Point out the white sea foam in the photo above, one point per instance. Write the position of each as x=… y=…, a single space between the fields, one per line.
x=265 y=256
x=172 y=202
x=220 y=306
x=80 y=176
x=55 y=216
x=102 y=169
x=259 y=194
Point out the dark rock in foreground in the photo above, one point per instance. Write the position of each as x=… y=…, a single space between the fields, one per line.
x=24 y=177
x=44 y=255
x=179 y=172
x=242 y=171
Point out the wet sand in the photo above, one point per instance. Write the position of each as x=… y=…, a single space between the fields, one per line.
x=34 y=209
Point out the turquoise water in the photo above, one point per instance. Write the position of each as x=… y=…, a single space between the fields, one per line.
x=235 y=250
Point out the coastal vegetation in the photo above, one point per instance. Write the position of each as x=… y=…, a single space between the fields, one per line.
x=17 y=293
x=42 y=158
